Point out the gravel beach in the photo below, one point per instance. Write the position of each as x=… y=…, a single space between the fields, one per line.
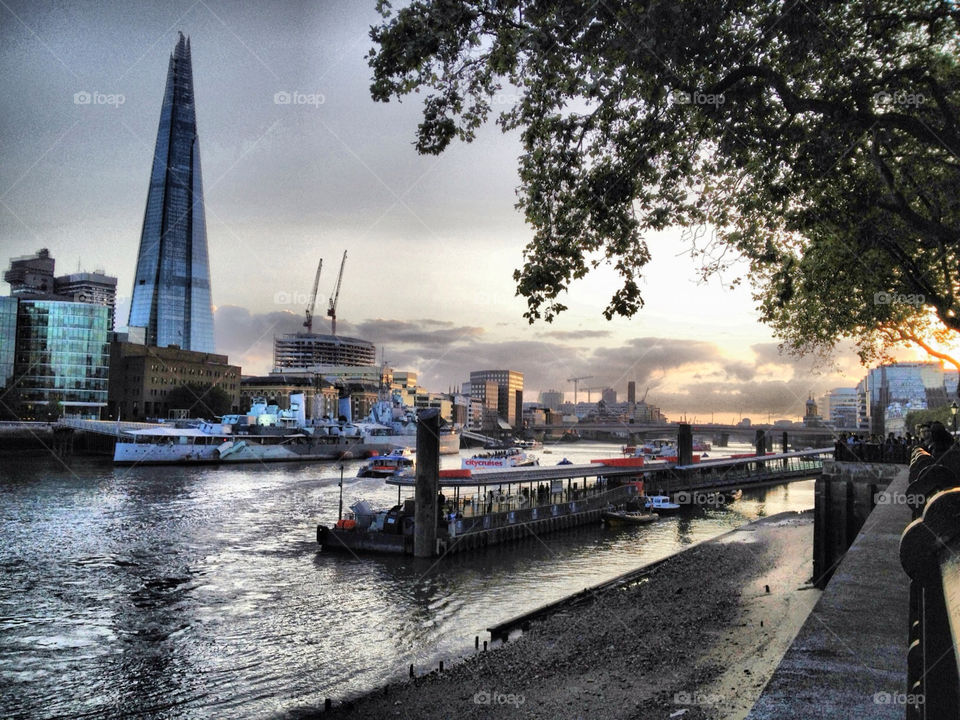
x=696 y=638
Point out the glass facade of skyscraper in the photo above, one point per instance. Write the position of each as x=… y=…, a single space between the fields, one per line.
x=171 y=291
x=62 y=356
x=8 y=338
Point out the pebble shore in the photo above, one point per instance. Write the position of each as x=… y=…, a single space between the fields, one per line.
x=697 y=638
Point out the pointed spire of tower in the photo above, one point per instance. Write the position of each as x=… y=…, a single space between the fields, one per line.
x=171 y=292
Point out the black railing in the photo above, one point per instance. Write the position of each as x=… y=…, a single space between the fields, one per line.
x=930 y=553
x=872 y=452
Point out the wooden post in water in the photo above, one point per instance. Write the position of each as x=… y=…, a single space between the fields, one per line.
x=428 y=483
x=761 y=443
x=684 y=444
x=785 y=446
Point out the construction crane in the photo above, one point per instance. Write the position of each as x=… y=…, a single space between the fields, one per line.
x=308 y=323
x=332 y=310
x=575 y=381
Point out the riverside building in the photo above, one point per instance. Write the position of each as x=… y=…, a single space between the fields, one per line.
x=141 y=377
x=61 y=358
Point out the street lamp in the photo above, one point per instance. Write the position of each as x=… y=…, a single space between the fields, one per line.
x=953 y=407
x=340 y=513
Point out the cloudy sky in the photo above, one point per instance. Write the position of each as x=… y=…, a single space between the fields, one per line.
x=432 y=241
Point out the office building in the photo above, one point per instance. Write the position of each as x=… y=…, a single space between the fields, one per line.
x=839 y=408
x=141 y=377
x=509 y=393
x=631 y=392
x=8 y=338
x=171 y=289
x=62 y=357
x=887 y=393
x=32 y=276
x=609 y=396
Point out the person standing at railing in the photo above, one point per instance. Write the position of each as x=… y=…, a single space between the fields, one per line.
x=940 y=439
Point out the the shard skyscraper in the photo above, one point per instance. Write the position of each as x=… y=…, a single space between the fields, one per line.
x=171 y=290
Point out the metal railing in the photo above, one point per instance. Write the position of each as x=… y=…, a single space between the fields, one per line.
x=930 y=554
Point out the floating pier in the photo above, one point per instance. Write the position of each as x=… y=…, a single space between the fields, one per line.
x=486 y=508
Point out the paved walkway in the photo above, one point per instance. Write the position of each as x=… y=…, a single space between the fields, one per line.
x=850 y=658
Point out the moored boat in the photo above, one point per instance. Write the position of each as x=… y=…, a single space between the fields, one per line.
x=264 y=434
x=661 y=504
x=628 y=517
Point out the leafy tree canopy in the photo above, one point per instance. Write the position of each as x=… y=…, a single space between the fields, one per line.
x=818 y=140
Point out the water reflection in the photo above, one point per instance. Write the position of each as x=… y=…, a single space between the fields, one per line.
x=198 y=592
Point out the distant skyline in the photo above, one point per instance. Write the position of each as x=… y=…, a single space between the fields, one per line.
x=300 y=163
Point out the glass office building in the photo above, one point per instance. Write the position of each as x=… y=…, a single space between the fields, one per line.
x=8 y=338
x=62 y=356
x=171 y=290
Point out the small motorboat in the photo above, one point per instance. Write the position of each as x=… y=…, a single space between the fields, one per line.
x=398 y=462
x=564 y=462
x=628 y=517
x=733 y=496
x=661 y=504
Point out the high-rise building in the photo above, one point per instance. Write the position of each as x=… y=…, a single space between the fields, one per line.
x=509 y=392
x=31 y=274
x=609 y=396
x=171 y=288
x=631 y=392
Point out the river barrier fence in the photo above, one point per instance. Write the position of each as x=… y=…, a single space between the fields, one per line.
x=930 y=554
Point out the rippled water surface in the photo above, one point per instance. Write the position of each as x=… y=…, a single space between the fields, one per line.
x=199 y=593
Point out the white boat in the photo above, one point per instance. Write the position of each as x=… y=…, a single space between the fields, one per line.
x=265 y=434
x=398 y=462
x=391 y=422
x=496 y=459
x=660 y=504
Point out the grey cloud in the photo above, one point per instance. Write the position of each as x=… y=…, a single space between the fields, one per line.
x=574 y=334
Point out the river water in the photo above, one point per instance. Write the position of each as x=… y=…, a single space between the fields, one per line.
x=199 y=593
